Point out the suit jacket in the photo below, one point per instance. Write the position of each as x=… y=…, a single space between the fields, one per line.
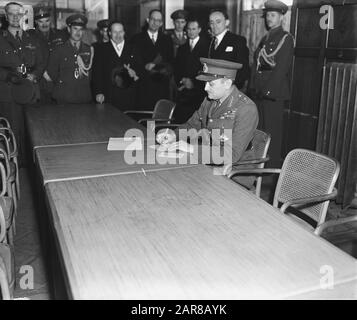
x=148 y=51
x=233 y=48
x=106 y=60
x=187 y=62
x=274 y=82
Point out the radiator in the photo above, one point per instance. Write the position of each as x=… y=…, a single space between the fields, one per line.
x=337 y=126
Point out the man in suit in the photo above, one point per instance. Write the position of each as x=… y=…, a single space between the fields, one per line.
x=21 y=67
x=48 y=38
x=270 y=84
x=70 y=65
x=155 y=50
x=116 y=70
x=226 y=119
x=187 y=65
x=228 y=46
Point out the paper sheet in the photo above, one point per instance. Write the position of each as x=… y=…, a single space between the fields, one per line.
x=127 y=143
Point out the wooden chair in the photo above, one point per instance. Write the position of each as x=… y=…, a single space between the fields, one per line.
x=9 y=144
x=306 y=183
x=7 y=211
x=259 y=148
x=162 y=113
x=7 y=272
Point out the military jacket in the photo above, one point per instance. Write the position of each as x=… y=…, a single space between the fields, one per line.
x=177 y=41
x=237 y=113
x=48 y=44
x=14 y=55
x=63 y=69
x=272 y=80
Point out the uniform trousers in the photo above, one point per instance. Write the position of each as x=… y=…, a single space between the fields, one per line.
x=271 y=115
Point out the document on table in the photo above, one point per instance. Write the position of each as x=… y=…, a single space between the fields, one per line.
x=126 y=143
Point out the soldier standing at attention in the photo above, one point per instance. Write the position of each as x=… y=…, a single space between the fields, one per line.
x=270 y=85
x=48 y=39
x=178 y=34
x=21 y=67
x=70 y=64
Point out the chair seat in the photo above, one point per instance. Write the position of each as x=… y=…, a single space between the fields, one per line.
x=7 y=257
x=7 y=206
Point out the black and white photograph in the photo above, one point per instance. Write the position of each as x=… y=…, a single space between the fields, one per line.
x=179 y=155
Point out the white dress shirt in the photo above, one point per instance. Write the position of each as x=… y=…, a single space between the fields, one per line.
x=220 y=37
x=118 y=47
x=153 y=34
x=193 y=42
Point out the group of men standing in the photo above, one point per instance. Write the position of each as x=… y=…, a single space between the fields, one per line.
x=45 y=65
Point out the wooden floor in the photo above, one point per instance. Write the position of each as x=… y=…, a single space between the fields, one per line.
x=28 y=251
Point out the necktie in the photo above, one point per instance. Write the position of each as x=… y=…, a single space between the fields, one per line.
x=18 y=38
x=153 y=39
x=215 y=43
x=191 y=45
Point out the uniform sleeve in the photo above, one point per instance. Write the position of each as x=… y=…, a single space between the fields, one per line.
x=283 y=65
x=53 y=65
x=246 y=122
x=40 y=62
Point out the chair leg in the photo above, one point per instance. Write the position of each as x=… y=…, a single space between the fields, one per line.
x=17 y=178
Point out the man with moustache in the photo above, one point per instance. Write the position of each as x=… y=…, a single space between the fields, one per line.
x=48 y=38
x=116 y=70
x=70 y=65
x=21 y=67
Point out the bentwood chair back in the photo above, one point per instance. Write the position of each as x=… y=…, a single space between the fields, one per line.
x=7 y=271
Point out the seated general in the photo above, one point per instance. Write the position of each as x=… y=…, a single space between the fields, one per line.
x=225 y=121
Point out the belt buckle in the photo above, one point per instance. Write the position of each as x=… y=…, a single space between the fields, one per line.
x=23 y=70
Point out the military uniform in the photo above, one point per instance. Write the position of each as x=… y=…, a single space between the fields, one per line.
x=237 y=113
x=270 y=83
x=175 y=38
x=18 y=58
x=47 y=44
x=69 y=69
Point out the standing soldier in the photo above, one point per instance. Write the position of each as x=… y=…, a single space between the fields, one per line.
x=48 y=39
x=178 y=34
x=21 y=66
x=70 y=64
x=270 y=85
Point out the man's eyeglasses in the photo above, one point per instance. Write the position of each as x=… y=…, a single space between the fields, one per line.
x=20 y=15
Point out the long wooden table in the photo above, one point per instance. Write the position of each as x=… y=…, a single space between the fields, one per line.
x=186 y=234
x=53 y=125
x=59 y=163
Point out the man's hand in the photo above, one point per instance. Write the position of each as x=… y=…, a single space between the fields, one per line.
x=99 y=98
x=131 y=72
x=165 y=136
x=149 y=66
x=181 y=145
x=186 y=83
